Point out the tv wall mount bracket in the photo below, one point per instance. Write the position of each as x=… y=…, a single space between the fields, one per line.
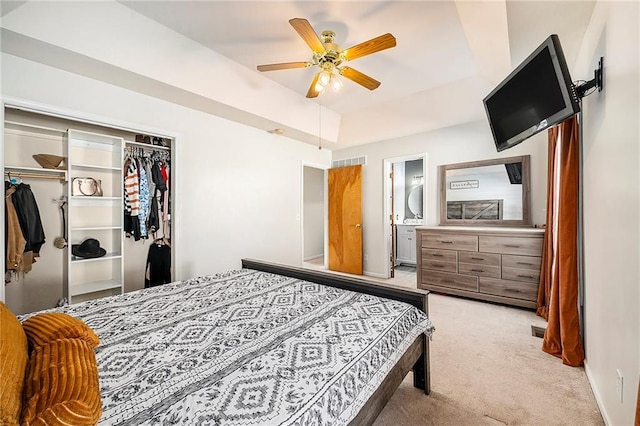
x=597 y=82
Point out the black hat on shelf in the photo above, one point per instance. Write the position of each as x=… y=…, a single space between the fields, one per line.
x=88 y=249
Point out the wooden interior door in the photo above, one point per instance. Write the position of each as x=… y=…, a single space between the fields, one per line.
x=345 y=219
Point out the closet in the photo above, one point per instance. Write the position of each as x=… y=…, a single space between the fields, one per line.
x=88 y=252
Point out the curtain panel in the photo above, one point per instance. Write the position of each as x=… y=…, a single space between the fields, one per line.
x=558 y=291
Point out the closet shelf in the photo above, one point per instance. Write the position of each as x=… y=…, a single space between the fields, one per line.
x=86 y=140
x=35 y=172
x=88 y=201
x=90 y=287
x=16 y=125
x=108 y=256
x=96 y=228
x=94 y=167
x=148 y=146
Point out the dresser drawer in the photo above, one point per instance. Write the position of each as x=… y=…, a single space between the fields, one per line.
x=521 y=268
x=438 y=265
x=518 y=274
x=443 y=279
x=514 y=289
x=440 y=255
x=480 y=270
x=511 y=245
x=488 y=259
x=521 y=262
x=450 y=242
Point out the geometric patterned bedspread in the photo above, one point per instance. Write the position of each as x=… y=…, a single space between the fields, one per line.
x=244 y=348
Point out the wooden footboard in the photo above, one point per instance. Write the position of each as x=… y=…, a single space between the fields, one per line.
x=416 y=357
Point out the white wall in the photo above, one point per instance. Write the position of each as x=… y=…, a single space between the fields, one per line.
x=313 y=211
x=611 y=208
x=468 y=142
x=237 y=188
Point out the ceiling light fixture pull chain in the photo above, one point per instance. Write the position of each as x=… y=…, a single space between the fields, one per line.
x=319 y=126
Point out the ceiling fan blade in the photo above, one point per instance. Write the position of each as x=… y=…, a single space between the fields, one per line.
x=360 y=78
x=312 y=92
x=306 y=31
x=374 y=45
x=284 y=66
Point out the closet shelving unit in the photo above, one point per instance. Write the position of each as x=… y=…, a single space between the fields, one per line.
x=100 y=157
x=91 y=150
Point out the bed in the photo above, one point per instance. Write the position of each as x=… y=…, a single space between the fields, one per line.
x=264 y=344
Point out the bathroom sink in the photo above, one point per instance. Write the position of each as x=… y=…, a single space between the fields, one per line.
x=412 y=222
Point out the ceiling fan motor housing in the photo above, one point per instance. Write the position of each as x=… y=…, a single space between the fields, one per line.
x=332 y=50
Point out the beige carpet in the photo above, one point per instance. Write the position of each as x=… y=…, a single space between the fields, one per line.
x=488 y=369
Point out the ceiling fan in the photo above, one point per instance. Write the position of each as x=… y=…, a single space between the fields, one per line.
x=329 y=57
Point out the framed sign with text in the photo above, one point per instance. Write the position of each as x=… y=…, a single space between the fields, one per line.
x=464 y=184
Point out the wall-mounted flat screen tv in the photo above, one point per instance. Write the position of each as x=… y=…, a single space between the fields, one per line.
x=537 y=94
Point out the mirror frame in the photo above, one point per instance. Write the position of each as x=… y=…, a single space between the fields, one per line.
x=526 y=192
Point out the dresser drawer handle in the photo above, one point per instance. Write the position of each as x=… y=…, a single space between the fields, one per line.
x=436 y=265
x=446 y=280
x=525 y=276
x=525 y=263
x=437 y=255
x=446 y=242
x=477 y=258
x=477 y=270
x=512 y=245
x=512 y=290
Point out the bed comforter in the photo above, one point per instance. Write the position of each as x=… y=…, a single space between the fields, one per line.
x=244 y=348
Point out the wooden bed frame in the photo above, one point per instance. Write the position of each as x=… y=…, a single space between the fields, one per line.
x=416 y=358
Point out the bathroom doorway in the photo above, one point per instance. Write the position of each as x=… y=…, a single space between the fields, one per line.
x=405 y=208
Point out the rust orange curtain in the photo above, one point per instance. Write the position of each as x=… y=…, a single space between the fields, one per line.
x=558 y=291
x=637 y=423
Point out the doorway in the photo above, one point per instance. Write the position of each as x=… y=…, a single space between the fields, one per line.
x=405 y=198
x=314 y=214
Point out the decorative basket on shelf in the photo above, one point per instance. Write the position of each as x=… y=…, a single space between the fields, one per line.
x=49 y=161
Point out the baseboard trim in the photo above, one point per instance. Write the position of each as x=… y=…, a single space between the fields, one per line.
x=374 y=274
x=596 y=394
x=315 y=256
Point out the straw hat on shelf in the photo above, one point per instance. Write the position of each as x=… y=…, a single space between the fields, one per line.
x=49 y=161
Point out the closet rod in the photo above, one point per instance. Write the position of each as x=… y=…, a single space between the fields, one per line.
x=22 y=175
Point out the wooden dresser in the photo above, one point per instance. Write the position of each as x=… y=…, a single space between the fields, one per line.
x=495 y=264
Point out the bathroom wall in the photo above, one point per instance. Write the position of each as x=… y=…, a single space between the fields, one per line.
x=413 y=171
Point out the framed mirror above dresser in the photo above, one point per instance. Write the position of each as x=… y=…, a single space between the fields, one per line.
x=492 y=192
x=485 y=247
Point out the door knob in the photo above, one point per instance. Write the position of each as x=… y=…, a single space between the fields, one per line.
x=358 y=225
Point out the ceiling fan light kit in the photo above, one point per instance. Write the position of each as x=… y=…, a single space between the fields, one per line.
x=328 y=56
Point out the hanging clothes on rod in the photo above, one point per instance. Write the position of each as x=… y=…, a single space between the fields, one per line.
x=146 y=191
x=158 y=266
x=20 y=204
x=131 y=198
x=14 y=239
